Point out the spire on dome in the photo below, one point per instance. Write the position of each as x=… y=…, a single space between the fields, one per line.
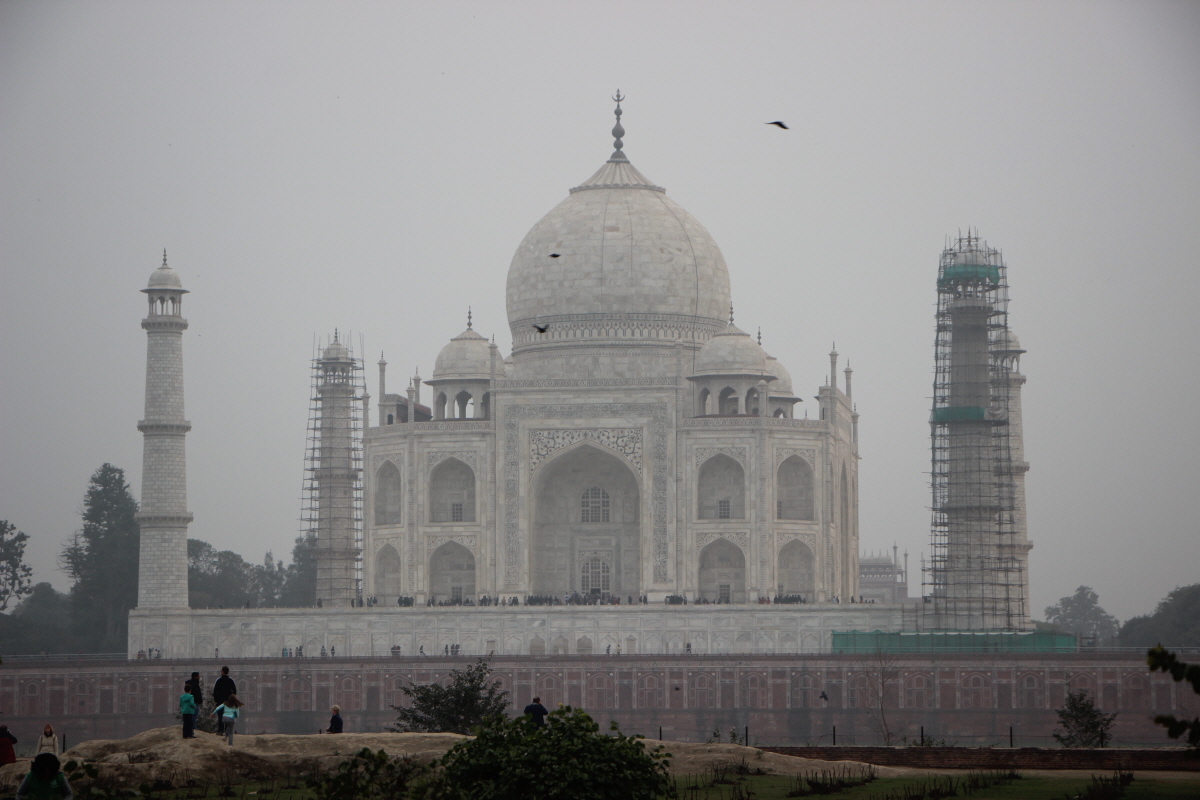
x=618 y=131
x=760 y=336
x=731 y=312
x=468 y=317
x=164 y=256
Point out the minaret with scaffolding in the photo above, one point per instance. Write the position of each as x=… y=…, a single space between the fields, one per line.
x=977 y=577
x=333 y=474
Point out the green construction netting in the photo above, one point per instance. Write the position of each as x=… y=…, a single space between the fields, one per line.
x=959 y=413
x=969 y=272
x=953 y=642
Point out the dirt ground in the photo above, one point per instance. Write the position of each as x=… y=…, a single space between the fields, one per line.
x=161 y=753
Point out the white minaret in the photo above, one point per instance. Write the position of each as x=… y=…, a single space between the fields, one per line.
x=164 y=518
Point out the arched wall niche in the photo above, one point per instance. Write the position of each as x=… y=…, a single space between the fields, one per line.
x=723 y=573
x=388 y=494
x=387 y=574
x=452 y=574
x=721 y=489
x=794 y=495
x=452 y=492
x=797 y=570
x=587 y=523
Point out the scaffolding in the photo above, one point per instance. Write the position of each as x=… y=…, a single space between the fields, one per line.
x=332 y=502
x=975 y=578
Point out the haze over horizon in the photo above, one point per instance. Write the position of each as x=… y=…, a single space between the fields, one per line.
x=372 y=168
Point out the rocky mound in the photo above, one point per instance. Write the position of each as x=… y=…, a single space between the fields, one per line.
x=160 y=755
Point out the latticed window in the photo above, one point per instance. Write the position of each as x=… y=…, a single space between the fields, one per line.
x=596 y=574
x=594 y=505
x=723 y=509
x=456 y=512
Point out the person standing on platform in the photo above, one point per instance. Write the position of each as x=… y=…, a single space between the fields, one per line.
x=7 y=740
x=48 y=741
x=187 y=710
x=196 y=689
x=222 y=689
x=335 y=722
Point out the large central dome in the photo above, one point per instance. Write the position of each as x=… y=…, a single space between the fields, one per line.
x=616 y=263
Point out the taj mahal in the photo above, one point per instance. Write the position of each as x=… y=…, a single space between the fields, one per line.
x=638 y=460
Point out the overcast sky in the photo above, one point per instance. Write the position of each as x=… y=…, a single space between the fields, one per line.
x=372 y=167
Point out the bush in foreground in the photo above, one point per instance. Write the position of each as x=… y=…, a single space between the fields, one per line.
x=568 y=759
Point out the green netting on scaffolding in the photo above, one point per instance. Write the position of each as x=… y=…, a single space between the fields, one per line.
x=959 y=414
x=957 y=273
x=865 y=642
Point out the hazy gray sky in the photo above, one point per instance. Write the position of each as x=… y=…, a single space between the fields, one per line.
x=373 y=166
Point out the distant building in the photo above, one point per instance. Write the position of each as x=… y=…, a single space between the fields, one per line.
x=882 y=579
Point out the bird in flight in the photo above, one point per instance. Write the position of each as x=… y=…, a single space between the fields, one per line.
x=555 y=255
x=540 y=328
x=824 y=696
x=779 y=124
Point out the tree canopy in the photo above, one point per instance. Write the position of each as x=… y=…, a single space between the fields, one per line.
x=15 y=574
x=1159 y=658
x=469 y=698
x=568 y=759
x=1083 y=725
x=1174 y=623
x=102 y=560
x=1082 y=615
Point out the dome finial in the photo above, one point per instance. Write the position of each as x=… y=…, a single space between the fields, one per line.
x=731 y=312
x=164 y=256
x=760 y=336
x=335 y=334
x=468 y=317
x=617 y=130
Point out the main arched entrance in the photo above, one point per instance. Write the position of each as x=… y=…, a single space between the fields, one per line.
x=722 y=573
x=452 y=574
x=587 y=529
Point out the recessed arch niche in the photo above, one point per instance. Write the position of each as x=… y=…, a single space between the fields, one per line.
x=387 y=494
x=452 y=573
x=452 y=492
x=723 y=573
x=796 y=570
x=586 y=519
x=794 y=490
x=721 y=489
x=387 y=574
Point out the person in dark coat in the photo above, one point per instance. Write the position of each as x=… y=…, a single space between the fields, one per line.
x=537 y=711
x=195 y=689
x=335 y=722
x=45 y=780
x=7 y=740
x=221 y=691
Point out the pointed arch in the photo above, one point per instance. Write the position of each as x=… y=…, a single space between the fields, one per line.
x=388 y=494
x=452 y=492
x=721 y=489
x=797 y=570
x=452 y=573
x=794 y=490
x=728 y=402
x=722 y=572
x=387 y=574
x=702 y=403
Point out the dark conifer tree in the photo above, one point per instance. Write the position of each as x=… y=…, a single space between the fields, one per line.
x=102 y=560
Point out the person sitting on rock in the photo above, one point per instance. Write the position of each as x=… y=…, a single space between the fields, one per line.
x=45 y=780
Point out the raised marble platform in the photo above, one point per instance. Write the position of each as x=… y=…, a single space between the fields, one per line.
x=509 y=630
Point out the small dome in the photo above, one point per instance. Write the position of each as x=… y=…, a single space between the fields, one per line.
x=1006 y=342
x=164 y=278
x=335 y=350
x=732 y=352
x=465 y=357
x=782 y=385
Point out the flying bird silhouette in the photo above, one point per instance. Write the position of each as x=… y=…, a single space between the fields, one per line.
x=824 y=696
x=540 y=328
x=555 y=255
x=780 y=124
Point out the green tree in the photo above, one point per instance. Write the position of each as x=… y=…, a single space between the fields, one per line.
x=368 y=776
x=1175 y=621
x=40 y=624
x=15 y=574
x=1082 y=615
x=300 y=581
x=102 y=560
x=568 y=759
x=1083 y=725
x=1161 y=659
x=469 y=699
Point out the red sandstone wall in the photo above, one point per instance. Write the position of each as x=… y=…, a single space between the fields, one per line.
x=971 y=700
